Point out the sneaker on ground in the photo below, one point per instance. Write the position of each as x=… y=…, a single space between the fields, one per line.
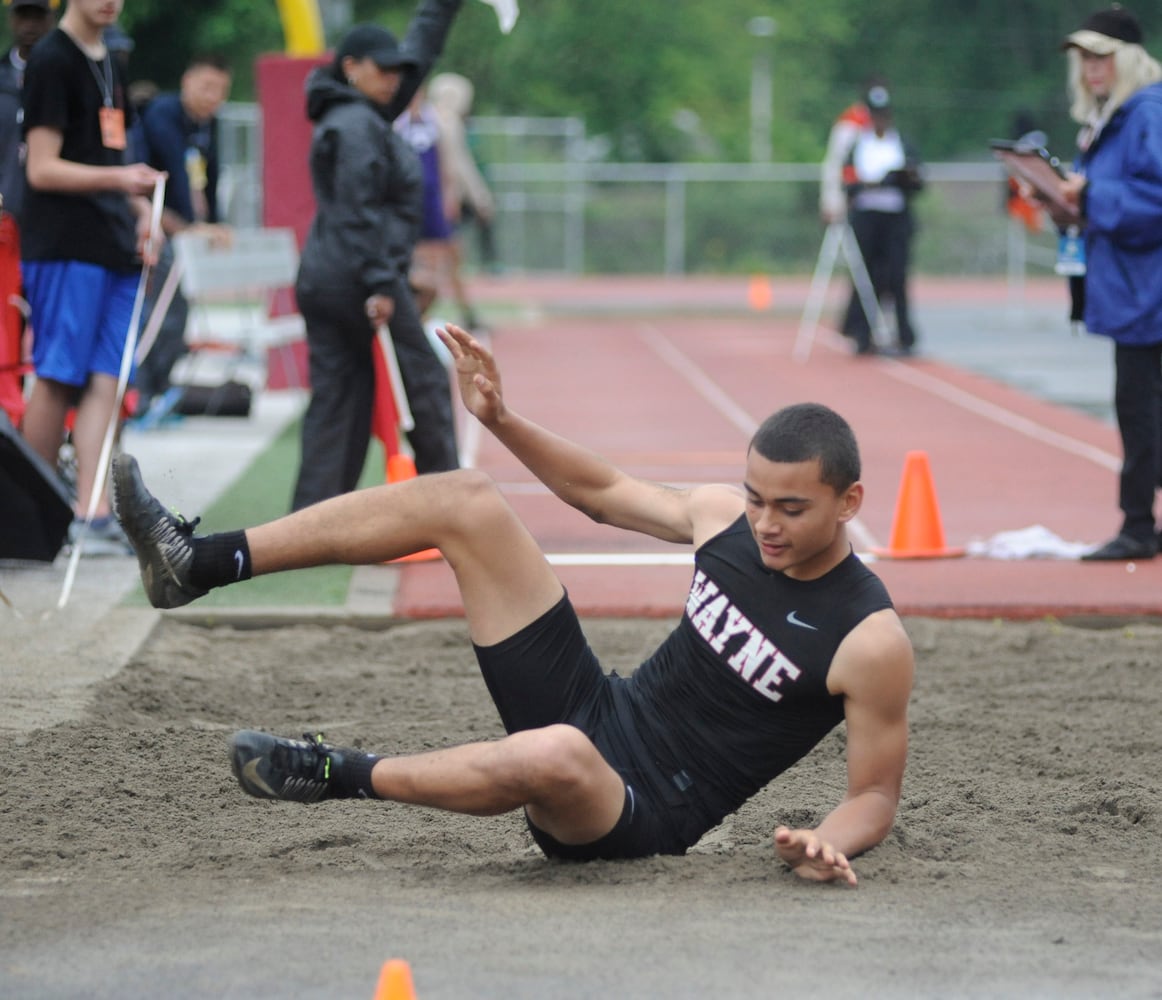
x=102 y=537
x=163 y=541
x=272 y=767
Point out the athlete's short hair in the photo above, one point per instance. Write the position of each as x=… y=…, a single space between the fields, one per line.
x=806 y=431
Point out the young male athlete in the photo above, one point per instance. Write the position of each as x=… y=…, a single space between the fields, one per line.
x=84 y=231
x=785 y=634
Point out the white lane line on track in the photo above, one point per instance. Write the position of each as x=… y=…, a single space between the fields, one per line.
x=702 y=384
x=903 y=371
x=998 y=414
x=718 y=398
x=620 y=558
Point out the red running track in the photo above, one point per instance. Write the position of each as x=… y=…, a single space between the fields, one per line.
x=668 y=380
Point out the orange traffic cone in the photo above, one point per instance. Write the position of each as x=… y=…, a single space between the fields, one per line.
x=916 y=529
x=399 y=468
x=395 y=981
x=759 y=294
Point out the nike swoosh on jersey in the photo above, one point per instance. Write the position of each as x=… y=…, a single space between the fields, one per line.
x=794 y=619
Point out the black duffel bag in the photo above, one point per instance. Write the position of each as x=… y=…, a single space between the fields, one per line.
x=230 y=399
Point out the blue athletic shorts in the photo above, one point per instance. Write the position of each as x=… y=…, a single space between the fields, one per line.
x=80 y=318
x=546 y=674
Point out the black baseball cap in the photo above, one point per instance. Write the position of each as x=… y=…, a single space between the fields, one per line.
x=1106 y=32
x=38 y=4
x=370 y=41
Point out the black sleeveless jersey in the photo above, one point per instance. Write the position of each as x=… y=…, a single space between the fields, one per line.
x=738 y=692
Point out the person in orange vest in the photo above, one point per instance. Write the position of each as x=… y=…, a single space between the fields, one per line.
x=881 y=175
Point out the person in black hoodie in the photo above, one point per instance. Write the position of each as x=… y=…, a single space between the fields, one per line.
x=353 y=272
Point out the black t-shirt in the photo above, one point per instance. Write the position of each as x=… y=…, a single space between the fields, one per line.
x=65 y=90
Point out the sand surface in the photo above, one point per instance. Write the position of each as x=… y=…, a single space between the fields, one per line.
x=1026 y=859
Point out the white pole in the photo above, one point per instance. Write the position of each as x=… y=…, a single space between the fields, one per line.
x=127 y=355
x=838 y=237
x=160 y=308
x=761 y=104
x=824 y=265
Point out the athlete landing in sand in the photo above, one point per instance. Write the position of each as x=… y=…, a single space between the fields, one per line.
x=785 y=635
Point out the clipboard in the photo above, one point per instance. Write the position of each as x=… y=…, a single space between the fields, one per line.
x=1037 y=167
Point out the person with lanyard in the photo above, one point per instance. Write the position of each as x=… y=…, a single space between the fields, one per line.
x=28 y=22
x=1114 y=194
x=86 y=220
x=179 y=135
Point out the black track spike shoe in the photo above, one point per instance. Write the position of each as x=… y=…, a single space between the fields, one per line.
x=271 y=767
x=164 y=542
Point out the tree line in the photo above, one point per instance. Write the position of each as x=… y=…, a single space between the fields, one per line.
x=670 y=80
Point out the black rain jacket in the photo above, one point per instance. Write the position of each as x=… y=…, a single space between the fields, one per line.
x=367 y=181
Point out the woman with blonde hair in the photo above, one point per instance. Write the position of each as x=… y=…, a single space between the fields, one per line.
x=1116 y=195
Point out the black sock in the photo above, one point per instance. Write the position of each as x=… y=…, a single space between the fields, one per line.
x=351 y=774
x=220 y=559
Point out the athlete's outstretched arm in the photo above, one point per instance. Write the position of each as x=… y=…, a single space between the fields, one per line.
x=580 y=477
x=873 y=671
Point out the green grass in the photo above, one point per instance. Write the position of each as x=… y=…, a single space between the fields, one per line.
x=262 y=493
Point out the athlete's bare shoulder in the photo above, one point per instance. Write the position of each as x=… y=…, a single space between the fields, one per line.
x=713 y=508
x=875 y=659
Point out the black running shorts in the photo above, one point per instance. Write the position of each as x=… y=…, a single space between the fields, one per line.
x=547 y=674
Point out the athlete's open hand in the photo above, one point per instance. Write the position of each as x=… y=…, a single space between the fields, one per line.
x=811 y=858
x=476 y=373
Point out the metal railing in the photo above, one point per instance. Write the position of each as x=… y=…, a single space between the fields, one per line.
x=561 y=210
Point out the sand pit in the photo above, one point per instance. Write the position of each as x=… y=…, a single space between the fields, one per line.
x=1025 y=859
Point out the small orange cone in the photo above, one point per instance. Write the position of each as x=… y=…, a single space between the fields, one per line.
x=395 y=981
x=916 y=529
x=759 y=294
x=399 y=468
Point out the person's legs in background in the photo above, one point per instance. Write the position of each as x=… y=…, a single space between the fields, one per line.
x=428 y=387
x=897 y=248
x=856 y=323
x=469 y=319
x=48 y=408
x=1138 y=403
x=81 y=315
x=336 y=428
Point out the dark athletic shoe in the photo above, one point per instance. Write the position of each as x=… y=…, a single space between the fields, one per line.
x=164 y=542
x=270 y=767
x=1123 y=548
